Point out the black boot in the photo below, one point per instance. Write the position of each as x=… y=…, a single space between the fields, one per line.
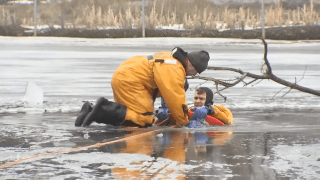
x=85 y=109
x=106 y=112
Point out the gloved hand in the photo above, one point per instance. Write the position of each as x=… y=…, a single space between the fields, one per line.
x=210 y=109
x=194 y=124
x=200 y=113
x=162 y=113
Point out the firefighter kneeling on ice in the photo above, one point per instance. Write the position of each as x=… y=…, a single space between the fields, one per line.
x=203 y=112
x=138 y=81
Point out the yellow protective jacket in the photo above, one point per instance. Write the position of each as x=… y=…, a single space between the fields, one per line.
x=135 y=81
x=223 y=114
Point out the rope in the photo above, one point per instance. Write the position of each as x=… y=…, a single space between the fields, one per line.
x=97 y=145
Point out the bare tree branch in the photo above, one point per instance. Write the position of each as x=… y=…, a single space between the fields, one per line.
x=278 y=92
x=305 y=69
x=267 y=75
x=287 y=92
x=257 y=82
x=294 y=86
x=269 y=69
x=217 y=81
x=218 y=92
x=238 y=71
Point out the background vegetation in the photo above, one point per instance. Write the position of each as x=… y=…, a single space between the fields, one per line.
x=159 y=14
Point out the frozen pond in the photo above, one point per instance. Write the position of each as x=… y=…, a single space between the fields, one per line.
x=271 y=138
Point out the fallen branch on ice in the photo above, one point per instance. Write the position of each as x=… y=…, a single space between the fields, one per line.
x=268 y=74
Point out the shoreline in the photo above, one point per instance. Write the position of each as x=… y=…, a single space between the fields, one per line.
x=273 y=33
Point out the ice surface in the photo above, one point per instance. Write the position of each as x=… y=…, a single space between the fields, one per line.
x=69 y=71
x=72 y=70
x=298 y=158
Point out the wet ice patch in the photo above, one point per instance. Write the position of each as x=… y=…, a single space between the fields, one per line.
x=215 y=170
x=297 y=161
x=101 y=165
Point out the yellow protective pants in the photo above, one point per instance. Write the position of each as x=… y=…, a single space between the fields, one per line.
x=137 y=98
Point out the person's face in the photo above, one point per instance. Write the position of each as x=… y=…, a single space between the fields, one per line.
x=191 y=71
x=199 y=99
x=201 y=150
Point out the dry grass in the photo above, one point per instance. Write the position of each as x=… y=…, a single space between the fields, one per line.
x=200 y=14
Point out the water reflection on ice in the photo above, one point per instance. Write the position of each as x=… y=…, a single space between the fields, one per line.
x=290 y=159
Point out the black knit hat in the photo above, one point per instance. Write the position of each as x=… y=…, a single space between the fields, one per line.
x=209 y=95
x=199 y=60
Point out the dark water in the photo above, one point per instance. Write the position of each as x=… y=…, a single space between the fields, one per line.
x=271 y=138
x=256 y=147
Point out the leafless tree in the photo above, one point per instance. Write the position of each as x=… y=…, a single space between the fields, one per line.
x=267 y=74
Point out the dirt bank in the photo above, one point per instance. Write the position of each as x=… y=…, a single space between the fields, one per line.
x=276 y=33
